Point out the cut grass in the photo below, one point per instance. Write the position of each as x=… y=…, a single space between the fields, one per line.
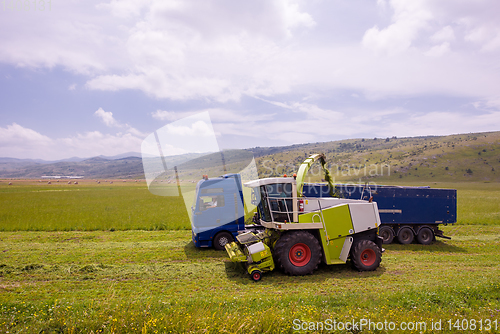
x=147 y=281
x=157 y=281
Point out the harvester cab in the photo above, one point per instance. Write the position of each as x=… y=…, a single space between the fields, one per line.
x=301 y=232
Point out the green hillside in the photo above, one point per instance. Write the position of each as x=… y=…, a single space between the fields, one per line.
x=455 y=158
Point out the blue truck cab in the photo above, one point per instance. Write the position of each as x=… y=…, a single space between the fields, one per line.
x=218 y=212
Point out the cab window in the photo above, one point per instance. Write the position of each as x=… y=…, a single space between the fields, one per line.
x=210 y=202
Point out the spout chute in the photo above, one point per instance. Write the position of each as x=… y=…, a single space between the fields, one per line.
x=304 y=168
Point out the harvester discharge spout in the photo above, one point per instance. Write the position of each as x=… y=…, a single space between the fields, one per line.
x=304 y=168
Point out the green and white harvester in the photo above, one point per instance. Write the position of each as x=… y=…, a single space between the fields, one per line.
x=299 y=233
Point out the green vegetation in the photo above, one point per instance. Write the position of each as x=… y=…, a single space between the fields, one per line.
x=113 y=258
x=87 y=206
x=157 y=281
x=456 y=158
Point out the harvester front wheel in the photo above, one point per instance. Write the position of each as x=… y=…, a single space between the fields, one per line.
x=366 y=255
x=256 y=275
x=221 y=239
x=297 y=253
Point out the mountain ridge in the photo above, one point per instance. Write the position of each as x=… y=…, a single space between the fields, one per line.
x=460 y=157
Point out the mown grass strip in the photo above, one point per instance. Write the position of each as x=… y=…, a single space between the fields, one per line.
x=157 y=281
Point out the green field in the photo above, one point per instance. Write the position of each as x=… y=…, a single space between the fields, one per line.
x=156 y=282
x=113 y=258
x=88 y=206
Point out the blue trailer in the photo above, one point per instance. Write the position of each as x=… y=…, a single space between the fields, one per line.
x=406 y=213
x=218 y=212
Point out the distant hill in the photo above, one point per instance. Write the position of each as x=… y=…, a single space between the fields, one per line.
x=463 y=157
x=97 y=167
x=455 y=158
x=100 y=167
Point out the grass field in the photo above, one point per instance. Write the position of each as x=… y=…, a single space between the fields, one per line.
x=158 y=282
x=112 y=258
x=88 y=206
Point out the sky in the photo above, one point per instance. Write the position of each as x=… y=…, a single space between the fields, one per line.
x=88 y=78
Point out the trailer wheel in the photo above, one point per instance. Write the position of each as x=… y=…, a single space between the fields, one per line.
x=387 y=234
x=256 y=275
x=221 y=239
x=425 y=236
x=366 y=255
x=405 y=235
x=297 y=253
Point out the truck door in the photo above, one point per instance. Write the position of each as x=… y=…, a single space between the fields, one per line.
x=217 y=205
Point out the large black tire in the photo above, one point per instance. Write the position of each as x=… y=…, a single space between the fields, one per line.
x=365 y=255
x=297 y=253
x=387 y=234
x=221 y=239
x=425 y=236
x=405 y=235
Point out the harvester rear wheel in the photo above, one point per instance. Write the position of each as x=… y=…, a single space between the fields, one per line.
x=366 y=255
x=221 y=239
x=297 y=253
x=425 y=236
x=405 y=235
x=387 y=233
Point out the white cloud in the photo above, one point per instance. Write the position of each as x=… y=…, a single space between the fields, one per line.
x=446 y=34
x=164 y=115
x=438 y=50
x=444 y=122
x=96 y=143
x=197 y=129
x=16 y=135
x=125 y=8
x=490 y=104
x=410 y=17
x=184 y=50
x=72 y=87
x=311 y=111
x=220 y=115
x=106 y=117
x=19 y=142
x=362 y=123
x=110 y=121
x=208 y=50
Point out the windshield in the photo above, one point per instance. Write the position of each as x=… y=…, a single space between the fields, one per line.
x=276 y=202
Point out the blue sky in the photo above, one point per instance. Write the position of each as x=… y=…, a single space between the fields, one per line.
x=84 y=78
